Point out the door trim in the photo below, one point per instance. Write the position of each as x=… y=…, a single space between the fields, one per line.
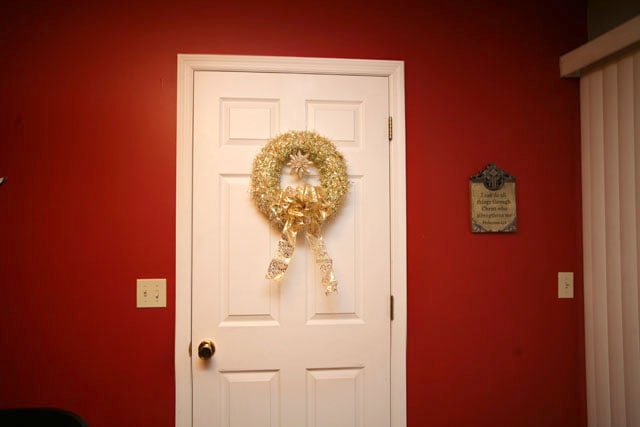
x=394 y=70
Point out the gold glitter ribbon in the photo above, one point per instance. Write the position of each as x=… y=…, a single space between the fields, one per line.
x=305 y=209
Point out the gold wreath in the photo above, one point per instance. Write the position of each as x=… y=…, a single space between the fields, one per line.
x=300 y=208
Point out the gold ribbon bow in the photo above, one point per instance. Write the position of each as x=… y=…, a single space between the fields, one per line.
x=305 y=209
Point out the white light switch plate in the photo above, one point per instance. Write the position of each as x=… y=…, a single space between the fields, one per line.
x=151 y=293
x=565 y=284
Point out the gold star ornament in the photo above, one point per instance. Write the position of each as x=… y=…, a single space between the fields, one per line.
x=299 y=164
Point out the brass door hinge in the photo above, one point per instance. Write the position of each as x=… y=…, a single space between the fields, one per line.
x=390 y=128
x=392 y=307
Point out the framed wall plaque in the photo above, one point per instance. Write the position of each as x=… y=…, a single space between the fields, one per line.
x=493 y=201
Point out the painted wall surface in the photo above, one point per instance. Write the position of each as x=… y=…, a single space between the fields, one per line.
x=605 y=15
x=87 y=140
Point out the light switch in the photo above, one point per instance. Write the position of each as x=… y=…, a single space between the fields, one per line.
x=151 y=293
x=565 y=284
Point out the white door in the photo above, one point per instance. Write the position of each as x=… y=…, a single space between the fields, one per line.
x=286 y=354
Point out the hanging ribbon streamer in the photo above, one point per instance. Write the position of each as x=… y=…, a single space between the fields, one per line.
x=304 y=209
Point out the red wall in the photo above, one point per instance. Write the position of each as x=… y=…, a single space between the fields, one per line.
x=87 y=139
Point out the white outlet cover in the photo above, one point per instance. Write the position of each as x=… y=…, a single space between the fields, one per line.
x=151 y=293
x=565 y=284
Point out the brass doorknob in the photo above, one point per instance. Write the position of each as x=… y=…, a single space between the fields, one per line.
x=206 y=350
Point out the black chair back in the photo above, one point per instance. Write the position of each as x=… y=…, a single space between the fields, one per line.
x=40 y=417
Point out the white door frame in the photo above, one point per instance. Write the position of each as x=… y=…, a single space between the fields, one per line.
x=394 y=70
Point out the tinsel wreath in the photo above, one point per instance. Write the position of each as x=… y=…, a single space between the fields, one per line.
x=301 y=208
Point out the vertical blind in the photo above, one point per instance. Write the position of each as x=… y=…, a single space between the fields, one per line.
x=610 y=117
